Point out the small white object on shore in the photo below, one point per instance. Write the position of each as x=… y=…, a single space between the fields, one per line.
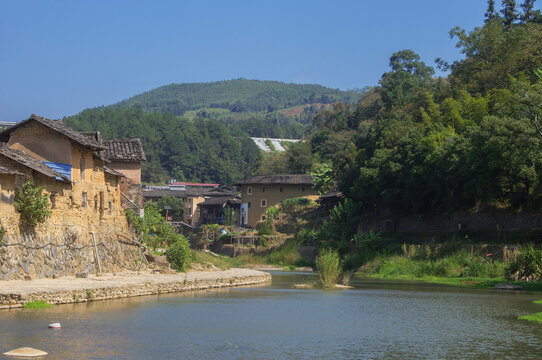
x=54 y=326
x=25 y=352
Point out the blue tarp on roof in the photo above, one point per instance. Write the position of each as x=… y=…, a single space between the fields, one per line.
x=63 y=169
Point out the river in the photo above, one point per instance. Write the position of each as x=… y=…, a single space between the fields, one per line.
x=377 y=320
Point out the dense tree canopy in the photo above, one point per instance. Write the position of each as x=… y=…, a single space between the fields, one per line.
x=419 y=144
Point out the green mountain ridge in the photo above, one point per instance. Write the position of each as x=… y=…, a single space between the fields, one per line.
x=200 y=131
x=237 y=96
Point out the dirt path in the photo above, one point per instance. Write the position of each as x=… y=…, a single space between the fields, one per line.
x=15 y=293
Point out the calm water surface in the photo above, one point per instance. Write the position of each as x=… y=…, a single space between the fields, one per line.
x=376 y=321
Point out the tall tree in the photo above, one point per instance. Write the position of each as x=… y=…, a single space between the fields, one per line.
x=528 y=13
x=509 y=13
x=490 y=12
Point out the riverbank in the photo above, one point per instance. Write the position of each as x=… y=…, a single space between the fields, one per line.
x=69 y=289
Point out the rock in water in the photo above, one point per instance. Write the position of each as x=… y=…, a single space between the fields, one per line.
x=505 y=286
x=25 y=352
x=54 y=326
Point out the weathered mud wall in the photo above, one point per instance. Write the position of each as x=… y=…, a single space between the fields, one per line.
x=54 y=251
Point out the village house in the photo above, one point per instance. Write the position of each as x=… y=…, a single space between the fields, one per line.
x=214 y=210
x=192 y=194
x=79 y=184
x=125 y=157
x=260 y=192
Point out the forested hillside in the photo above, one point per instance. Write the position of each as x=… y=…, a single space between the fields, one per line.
x=236 y=96
x=210 y=141
x=422 y=144
x=199 y=150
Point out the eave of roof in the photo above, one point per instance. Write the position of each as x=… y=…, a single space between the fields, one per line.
x=6 y=171
x=277 y=179
x=58 y=126
x=113 y=172
x=31 y=163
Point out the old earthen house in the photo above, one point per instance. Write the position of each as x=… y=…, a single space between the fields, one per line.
x=262 y=191
x=84 y=195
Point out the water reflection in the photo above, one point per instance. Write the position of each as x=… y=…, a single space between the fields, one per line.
x=376 y=321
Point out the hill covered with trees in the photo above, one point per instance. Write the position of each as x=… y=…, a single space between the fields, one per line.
x=200 y=131
x=235 y=96
x=199 y=150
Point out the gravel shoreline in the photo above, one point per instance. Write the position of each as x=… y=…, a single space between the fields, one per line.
x=69 y=289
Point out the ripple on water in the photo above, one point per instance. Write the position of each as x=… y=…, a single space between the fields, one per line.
x=375 y=322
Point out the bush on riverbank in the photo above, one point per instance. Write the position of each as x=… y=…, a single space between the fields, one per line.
x=527 y=266
x=328 y=265
x=179 y=254
x=460 y=264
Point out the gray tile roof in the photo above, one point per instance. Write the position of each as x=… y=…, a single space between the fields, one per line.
x=130 y=150
x=31 y=163
x=222 y=200
x=112 y=172
x=277 y=179
x=189 y=192
x=58 y=126
x=5 y=170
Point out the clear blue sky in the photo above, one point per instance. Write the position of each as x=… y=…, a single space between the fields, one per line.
x=60 y=57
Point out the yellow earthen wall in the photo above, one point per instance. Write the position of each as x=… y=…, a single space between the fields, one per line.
x=41 y=143
x=272 y=195
x=192 y=216
x=7 y=193
x=132 y=170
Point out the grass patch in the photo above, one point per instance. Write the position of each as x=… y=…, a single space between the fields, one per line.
x=38 y=304
x=285 y=255
x=221 y=262
x=459 y=269
x=537 y=317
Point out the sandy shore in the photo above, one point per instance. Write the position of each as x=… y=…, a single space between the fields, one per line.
x=69 y=289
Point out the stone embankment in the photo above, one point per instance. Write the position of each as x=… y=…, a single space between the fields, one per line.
x=69 y=289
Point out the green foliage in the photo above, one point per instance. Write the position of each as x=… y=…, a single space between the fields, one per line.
x=328 y=265
x=456 y=265
x=152 y=227
x=272 y=213
x=338 y=232
x=299 y=158
x=270 y=145
x=179 y=254
x=199 y=150
x=527 y=266
x=176 y=206
x=536 y=317
x=38 y=304
x=286 y=255
x=217 y=261
x=264 y=228
x=229 y=214
x=32 y=205
x=295 y=204
x=2 y=233
x=306 y=237
x=324 y=178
